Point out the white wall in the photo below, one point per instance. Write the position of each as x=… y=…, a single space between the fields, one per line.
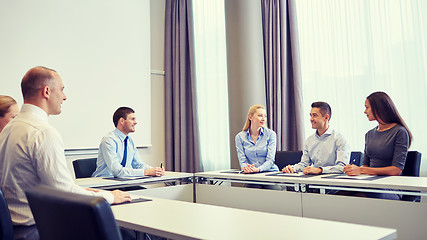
x=156 y=153
x=95 y=56
x=245 y=64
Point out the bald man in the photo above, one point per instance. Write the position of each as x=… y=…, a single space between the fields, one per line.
x=32 y=151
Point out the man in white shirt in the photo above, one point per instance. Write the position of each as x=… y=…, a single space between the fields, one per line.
x=326 y=151
x=32 y=151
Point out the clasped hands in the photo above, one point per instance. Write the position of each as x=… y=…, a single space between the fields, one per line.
x=250 y=168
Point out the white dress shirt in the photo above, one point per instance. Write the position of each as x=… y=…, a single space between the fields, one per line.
x=32 y=153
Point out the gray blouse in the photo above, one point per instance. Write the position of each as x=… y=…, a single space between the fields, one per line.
x=386 y=148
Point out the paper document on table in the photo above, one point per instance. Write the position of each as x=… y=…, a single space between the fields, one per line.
x=236 y=171
x=126 y=178
x=282 y=174
x=135 y=200
x=358 y=177
x=291 y=174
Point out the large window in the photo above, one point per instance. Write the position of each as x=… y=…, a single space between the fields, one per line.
x=211 y=84
x=352 y=48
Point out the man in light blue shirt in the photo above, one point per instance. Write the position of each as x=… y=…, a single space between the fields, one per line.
x=118 y=155
x=326 y=151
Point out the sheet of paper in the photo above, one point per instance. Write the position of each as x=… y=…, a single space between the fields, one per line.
x=291 y=174
x=359 y=177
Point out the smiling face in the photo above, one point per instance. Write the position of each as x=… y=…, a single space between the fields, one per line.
x=128 y=124
x=368 y=111
x=318 y=121
x=258 y=119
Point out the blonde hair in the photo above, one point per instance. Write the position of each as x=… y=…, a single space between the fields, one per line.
x=5 y=103
x=252 y=111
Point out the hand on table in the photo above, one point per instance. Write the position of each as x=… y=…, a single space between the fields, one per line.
x=120 y=196
x=288 y=169
x=352 y=170
x=155 y=171
x=312 y=170
x=250 y=168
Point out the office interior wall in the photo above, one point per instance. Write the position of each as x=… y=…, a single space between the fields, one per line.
x=245 y=63
x=96 y=46
x=154 y=154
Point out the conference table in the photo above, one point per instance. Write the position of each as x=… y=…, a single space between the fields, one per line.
x=409 y=218
x=185 y=220
x=416 y=186
x=108 y=183
x=219 y=189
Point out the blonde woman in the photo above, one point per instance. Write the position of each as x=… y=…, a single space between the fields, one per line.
x=256 y=144
x=8 y=110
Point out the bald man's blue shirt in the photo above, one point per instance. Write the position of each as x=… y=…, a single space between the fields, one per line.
x=110 y=156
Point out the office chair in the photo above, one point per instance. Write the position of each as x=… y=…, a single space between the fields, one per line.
x=412 y=168
x=67 y=216
x=412 y=164
x=356 y=158
x=6 y=227
x=285 y=158
x=84 y=167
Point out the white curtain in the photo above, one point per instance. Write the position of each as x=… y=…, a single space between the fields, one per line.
x=211 y=84
x=352 y=48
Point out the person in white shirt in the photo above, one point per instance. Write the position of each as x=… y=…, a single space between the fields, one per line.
x=32 y=151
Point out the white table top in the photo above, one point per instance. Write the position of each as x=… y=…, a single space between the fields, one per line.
x=101 y=182
x=183 y=220
x=392 y=182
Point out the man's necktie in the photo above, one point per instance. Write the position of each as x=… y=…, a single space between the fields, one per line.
x=125 y=152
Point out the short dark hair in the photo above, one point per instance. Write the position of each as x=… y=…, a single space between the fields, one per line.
x=324 y=108
x=121 y=112
x=35 y=79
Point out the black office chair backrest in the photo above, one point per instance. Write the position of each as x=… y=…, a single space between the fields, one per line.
x=412 y=164
x=285 y=158
x=356 y=158
x=412 y=168
x=84 y=167
x=6 y=227
x=65 y=215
